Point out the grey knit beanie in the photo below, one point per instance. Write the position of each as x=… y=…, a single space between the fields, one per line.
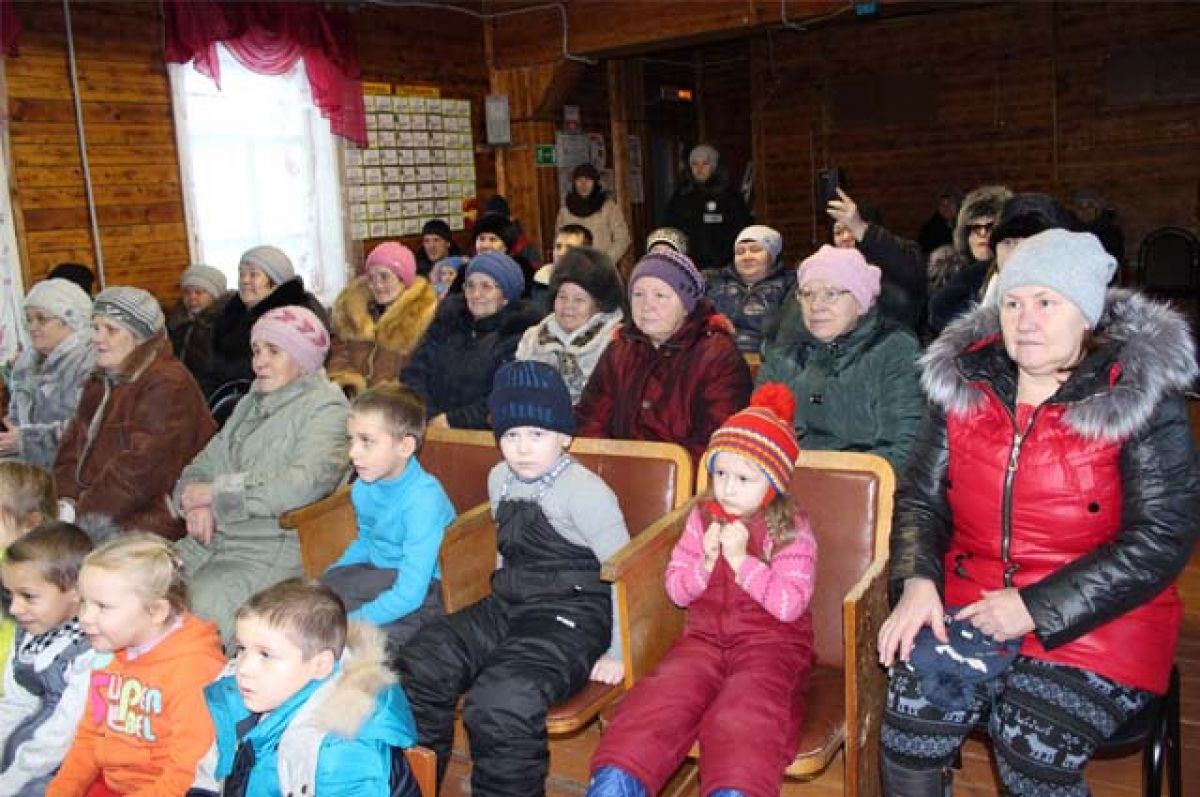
x=205 y=278
x=770 y=239
x=133 y=308
x=62 y=299
x=1073 y=264
x=270 y=260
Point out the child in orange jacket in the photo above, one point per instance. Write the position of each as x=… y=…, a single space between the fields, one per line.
x=146 y=725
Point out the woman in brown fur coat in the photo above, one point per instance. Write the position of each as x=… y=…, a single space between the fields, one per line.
x=379 y=319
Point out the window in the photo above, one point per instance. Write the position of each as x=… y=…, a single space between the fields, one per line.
x=260 y=167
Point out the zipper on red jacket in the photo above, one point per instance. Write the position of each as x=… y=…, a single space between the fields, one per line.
x=1010 y=476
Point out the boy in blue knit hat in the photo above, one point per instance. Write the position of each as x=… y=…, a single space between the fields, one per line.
x=548 y=625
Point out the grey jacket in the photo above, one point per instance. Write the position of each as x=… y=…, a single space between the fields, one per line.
x=278 y=451
x=45 y=394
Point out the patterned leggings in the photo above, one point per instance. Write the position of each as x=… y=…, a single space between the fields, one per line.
x=1045 y=721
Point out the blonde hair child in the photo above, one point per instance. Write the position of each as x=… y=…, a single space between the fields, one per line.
x=146 y=725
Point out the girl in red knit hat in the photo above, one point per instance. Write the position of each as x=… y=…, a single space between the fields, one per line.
x=744 y=567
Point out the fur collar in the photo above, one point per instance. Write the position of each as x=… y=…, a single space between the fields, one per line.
x=399 y=328
x=138 y=360
x=1148 y=353
x=364 y=675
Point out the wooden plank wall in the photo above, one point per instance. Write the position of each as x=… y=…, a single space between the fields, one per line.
x=131 y=144
x=1017 y=95
x=130 y=127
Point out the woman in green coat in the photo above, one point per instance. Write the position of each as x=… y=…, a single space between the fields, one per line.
x=284 y=446
x=853 y=371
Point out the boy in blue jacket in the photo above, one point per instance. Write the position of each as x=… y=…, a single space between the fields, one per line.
x=308 y=706
x=389 y=575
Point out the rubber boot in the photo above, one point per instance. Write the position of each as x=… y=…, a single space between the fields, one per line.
x=899 y=781
x=615 y=782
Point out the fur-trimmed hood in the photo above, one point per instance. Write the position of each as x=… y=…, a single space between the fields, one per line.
x=984 y=202
x=402 y=324
x=1147 y=352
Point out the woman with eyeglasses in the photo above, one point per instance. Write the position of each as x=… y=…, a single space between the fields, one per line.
x=47 y=378
x=975 y=255
x=852 y=370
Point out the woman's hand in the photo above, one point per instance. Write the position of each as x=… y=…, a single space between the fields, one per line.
x=439 y=421
x=196 y=495
x=734 y=537
x=201 y=525
x=845 y=211
x=1001 y=614
x=608 y=670
x=712 y=545
x=919 y=605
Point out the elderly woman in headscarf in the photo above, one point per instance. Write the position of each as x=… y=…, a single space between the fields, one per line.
x=140 y=420
x=284 y=446
x=47 y=378
x=853 y=371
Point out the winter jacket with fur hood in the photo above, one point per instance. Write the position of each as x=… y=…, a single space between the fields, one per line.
x=134 y=432
x=1089 y=504
x=679 y=392
x=859 y=392
x=231 y=333
x=453 y=368
x=333 y=738
x=45 y=392
x=368 y=348
x=192 y=335
x=969 y=276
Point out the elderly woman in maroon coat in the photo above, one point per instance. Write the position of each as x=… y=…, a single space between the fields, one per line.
x=674 y=372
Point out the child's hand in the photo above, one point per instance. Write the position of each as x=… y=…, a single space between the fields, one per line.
x=734 y=537
x=712 y=545
x=608 y=670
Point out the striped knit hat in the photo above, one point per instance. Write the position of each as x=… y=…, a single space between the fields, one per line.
x=763 y=434
x=530 y=393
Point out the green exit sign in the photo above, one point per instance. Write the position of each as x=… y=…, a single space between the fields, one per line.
x=544 y=155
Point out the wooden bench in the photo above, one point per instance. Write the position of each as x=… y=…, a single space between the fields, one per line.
x=849 y=500
x=650 y=479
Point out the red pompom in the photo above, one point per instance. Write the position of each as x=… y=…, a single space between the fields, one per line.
x=776 y=397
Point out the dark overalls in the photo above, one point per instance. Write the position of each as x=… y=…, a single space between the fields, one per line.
x=528 y=645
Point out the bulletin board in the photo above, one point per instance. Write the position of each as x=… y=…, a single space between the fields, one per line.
x=419 y=163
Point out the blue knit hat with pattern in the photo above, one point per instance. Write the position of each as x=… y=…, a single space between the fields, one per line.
x=530 y=393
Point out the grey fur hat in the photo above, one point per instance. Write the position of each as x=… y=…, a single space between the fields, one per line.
x=984 y=201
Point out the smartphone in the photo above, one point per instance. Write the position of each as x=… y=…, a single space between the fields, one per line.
x=828 y=182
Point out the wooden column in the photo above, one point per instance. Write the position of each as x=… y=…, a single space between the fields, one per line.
x=619 y=103
x=535 y=97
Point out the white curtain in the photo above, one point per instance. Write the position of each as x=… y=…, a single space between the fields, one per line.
x=12 y=290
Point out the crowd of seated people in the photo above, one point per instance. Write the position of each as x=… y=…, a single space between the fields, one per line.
x=1009 y=388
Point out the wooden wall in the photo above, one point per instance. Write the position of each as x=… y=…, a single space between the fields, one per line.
x=130 y=143
x=1008 y=93
x=130 y=132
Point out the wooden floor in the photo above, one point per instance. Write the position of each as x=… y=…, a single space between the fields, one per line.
x=1112 y=778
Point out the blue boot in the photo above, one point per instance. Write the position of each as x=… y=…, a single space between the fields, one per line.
x=614 y=782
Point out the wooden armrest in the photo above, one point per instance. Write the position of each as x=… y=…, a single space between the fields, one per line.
x=863 y=612
x=325 y=528
x=423 y=763
x=468 y=558
x=648 y=620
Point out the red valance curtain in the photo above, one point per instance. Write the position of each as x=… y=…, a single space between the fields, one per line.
x=10 y=27
x=269 y=38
